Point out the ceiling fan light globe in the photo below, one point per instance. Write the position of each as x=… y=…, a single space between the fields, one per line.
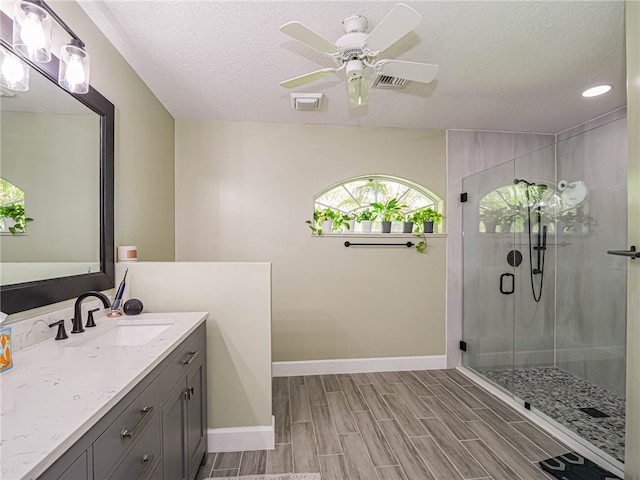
x=358 y=92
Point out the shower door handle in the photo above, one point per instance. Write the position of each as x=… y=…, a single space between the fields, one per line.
x=631 y=253
x=513 y=283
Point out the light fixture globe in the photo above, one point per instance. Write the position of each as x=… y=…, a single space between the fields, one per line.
x=32 y=31
x=14 y=73
x=75 y=65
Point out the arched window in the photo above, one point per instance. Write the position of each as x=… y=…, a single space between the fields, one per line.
x=355 y=194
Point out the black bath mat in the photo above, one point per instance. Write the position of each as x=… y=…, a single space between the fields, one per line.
x=572 y=466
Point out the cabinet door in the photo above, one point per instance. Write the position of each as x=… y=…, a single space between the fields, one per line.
x=77 y=471
x=174 y=418
x=196 y=416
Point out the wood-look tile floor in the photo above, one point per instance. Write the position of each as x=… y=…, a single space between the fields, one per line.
x=419 y=425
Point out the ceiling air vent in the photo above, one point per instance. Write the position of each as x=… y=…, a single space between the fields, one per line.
x=385 y=81
x=306 y=101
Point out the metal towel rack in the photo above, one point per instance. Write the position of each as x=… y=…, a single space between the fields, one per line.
x=407 y=244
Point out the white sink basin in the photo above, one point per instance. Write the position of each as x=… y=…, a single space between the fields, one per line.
x=124 y=333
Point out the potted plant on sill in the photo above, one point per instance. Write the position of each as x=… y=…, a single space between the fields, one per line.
x=350 y=219
x=427 y=217
x=365 y=217
x=322 y=220
x=388 y=211
x=13 y=218
x=342 y=221
x=407 y=224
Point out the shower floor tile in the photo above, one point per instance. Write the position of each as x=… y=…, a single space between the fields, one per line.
x=561 y=395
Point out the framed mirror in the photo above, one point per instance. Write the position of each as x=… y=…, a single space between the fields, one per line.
x=57 y=161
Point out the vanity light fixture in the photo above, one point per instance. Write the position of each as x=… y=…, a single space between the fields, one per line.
x=14 y=73
x=32 y=31
x=597 y=90
x=32 y=21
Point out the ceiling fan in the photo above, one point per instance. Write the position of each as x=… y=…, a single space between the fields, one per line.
x=356 y=50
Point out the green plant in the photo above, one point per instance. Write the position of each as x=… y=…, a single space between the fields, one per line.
x=432 y=216
x=421 y=246
x=315 y=224
x=389 y=210
x=427 y=214
x=16 y=212
x=341 y=221
x=365 y=214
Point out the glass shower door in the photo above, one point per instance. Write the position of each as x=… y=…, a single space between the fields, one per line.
x=489 y=280
x=570 y=313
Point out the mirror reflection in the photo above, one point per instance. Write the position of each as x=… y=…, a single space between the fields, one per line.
x=50 y=167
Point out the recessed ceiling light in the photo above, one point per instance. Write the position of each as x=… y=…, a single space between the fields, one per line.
x=597 y=90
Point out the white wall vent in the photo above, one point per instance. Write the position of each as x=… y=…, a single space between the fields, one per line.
x=385 y=81
x=306 y=101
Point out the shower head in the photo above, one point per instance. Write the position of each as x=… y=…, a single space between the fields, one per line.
x=516 y=181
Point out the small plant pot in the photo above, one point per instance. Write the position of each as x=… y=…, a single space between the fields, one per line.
x=7 y=222
x=326 y=226
x=386 y=227
x=352 y=226
x=366 y=226
x=428 y=227
x=407 y=227
x=490 y=227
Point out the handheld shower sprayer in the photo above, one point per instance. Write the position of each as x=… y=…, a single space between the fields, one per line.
x=541 y=246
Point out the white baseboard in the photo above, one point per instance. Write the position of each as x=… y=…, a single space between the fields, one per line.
x=592 y=453
x=358 y=365
x=241 y=439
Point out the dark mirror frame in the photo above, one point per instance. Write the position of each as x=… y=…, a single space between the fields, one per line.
x=25 y=296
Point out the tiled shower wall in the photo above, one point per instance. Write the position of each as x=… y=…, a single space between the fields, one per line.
x=591 y=285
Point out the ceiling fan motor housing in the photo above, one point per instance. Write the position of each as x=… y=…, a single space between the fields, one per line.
x=350 y=45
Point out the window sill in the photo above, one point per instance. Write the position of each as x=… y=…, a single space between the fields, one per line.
x=379 y=235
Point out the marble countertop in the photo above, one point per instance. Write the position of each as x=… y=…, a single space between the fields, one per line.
x=57 y=390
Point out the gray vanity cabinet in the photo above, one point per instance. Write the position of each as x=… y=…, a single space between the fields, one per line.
x=158 y=431
x=184 y=416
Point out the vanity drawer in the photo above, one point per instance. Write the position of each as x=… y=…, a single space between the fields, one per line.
x=192 y=352
x=144 y=457
x=130 y=425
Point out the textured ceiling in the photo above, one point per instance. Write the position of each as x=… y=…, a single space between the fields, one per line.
x=515 y=66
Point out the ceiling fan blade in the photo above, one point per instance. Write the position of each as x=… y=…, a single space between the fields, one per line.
x=398 y=22
x=358 y=92
x=417 y=72
x=309 y=37
x=308 y=78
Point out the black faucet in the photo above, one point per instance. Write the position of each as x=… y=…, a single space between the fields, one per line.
x=77 y=309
